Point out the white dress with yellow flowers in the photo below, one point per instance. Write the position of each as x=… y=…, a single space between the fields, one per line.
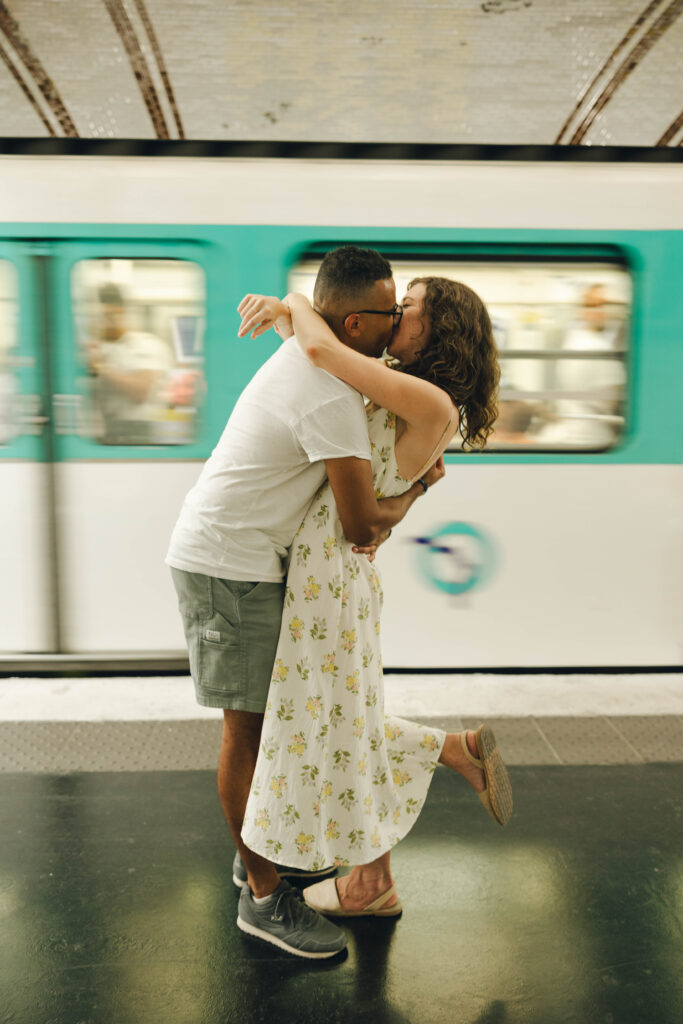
x=336 y=782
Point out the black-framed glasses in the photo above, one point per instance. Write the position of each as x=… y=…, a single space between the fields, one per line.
x=396 y=313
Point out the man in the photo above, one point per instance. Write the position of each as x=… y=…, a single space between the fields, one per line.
x=293 y=425
x=130 y=368
x=593 y=413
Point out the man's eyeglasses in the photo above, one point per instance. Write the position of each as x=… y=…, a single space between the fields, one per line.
x=396 y=313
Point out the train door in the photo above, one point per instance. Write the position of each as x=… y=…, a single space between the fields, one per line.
x=28 y=601
x=106 y=434
x=128 y=323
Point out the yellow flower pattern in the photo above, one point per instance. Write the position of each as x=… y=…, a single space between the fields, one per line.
x=280 y=671
x=353 y=682
x=332 y=830
x=314 y=706
x=278 y=785
x=329 y=664
x=262 y=820
x=296 y=628
x=336 y=782
x=298 y=744
x=348 y=639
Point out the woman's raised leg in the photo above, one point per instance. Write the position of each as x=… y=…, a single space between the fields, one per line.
x=453 y=756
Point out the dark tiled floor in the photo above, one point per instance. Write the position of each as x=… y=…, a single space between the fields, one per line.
x=117 y=908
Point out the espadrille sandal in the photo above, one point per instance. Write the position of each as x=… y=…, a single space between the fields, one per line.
x=497 y=797
x=324 y=897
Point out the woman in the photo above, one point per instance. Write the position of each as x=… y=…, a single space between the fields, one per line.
x=335 y=781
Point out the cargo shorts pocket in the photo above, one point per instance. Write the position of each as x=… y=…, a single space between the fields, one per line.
x=220 y=640
x=219 y=667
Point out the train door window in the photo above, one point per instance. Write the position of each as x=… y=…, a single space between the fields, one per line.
x=138 y=328
x=561 y=330
x=9 y=353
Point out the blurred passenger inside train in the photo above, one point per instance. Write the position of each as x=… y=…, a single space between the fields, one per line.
x=9 y=418
x=514 y=423
x=595 y=328
x=130 y=369
x=590 y=409
x=9 y=390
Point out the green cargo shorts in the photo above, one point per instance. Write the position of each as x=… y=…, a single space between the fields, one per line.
x=232 y=628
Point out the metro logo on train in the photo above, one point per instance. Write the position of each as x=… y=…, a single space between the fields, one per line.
x=469 y=558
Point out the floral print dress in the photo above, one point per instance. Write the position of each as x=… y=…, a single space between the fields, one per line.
x=336 y=782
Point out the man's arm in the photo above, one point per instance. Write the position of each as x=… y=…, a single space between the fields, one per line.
x=365 y=518
x=136 y=384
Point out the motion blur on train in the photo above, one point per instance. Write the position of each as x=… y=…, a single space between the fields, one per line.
x=555 y=547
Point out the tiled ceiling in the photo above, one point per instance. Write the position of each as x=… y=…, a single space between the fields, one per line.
x=520 y=72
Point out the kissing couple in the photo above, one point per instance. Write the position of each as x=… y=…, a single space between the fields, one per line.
x=273 y=560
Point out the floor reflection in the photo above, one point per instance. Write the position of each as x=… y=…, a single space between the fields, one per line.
x=117 y=905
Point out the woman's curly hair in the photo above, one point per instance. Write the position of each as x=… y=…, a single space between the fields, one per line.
x=460 y=356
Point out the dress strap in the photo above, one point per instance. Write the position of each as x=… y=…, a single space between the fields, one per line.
x=427 y=463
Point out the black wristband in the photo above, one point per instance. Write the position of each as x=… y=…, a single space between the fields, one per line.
x=422 y=481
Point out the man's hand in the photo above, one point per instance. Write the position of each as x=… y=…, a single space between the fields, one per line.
x=93 y=357
x=371 y=549
x=261 y=312
x=433 y=475
x=436 y=473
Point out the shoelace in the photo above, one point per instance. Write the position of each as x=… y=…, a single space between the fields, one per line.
x=292 y=893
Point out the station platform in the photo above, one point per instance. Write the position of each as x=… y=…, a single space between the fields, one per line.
x=153 y=723
x=116 y=888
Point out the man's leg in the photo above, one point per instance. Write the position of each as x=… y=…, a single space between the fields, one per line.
x=239 y=751
x=296 y=928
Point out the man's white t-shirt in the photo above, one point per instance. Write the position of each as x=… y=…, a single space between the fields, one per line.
x=240 y=518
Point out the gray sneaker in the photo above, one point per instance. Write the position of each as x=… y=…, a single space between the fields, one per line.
x=287 y=921
x=239 y=872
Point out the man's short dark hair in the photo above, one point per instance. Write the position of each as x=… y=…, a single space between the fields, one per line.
x=346 y=273
x=110 y=294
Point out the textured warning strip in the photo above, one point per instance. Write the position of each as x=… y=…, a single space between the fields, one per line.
x=671 y=133
x=651 y=35
x=161 y=64
x=59 y=747
x=10 y=28
x=138 y=63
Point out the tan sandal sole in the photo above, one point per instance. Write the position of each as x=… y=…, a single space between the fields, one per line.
x=497 y=797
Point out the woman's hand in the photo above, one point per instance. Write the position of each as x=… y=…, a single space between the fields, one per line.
x=261 y=312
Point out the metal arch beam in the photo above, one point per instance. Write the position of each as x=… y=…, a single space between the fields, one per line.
x=10 y=29
x=161 y=64
x=671 y=132
x=25 y=89
x=629 y=64
x=656 y=31
x=139 y=66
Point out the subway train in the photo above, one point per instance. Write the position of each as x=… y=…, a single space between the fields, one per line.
x=558 y=547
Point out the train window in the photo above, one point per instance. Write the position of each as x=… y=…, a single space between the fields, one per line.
x=562 y=336
x=138 y=331
x=9 y=352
